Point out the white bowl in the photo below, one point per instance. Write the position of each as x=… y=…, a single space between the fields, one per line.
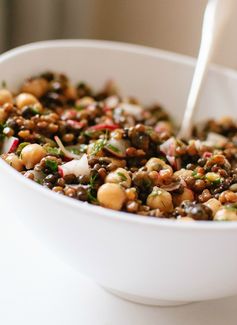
x=146 y=260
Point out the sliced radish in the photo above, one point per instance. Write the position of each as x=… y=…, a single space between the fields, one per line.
x=215 y=139
x=75 y=124
x=135 y=110
x=111 y=102
x=168 y=148
x=207 y=154
x=117 y=147
x=10 y=144
x=100 y=127
x=67 y=153
x=75 y=167
x=69 y=114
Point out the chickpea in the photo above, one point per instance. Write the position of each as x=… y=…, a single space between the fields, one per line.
x=160 y=199
x=214 y=205
x=226 y=215
x=85 y=101
x=131 y=193
x=32 y=155
x=25 y=99
x=111 y=196
x=156 y=164
x=5 y=96
x=119 y=176
x=36 y=87
x=228 y=197
x=165 y=171
x=14 y=161
x=183 y=173
x=187 y=195
x=117 y=163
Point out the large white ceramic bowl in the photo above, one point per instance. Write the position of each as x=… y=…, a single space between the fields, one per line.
x=142 y=259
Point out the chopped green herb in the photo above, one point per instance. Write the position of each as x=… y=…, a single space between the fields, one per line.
x=93 y=178
x=149 y=130
x=196 y=175
x=113 y=148
x=34 y=110
x=75 y=151
x=89 y=133
x=213 y=178
x=51 y=165
x=53 y=151
x=231 y=207
x=39 y=181
x=98 y=146
x=146 y=183
x=79 y=108
x=122 y=176
x=216 y=182
x=91 y=191
x=92 y=196
x=78 y=150
x=21 y=147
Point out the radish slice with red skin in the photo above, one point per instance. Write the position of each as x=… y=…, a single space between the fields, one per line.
x=76 y=167
x=69 y=114
x=75 y=124
x=67 y=153
x=132 y=109
x=207 y=154
x=168 y=148
x=111 y=102
x=215 y=139
x=117 y=147
x=100 y=127
x=10 y=144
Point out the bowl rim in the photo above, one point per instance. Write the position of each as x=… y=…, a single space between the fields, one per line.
x=97 y=211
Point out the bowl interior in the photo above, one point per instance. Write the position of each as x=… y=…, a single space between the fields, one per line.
x=150 y=75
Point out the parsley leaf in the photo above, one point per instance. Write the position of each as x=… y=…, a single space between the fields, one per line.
x=122 y=176
x=52 y=165
x=21 y=147
x=53 y=151
x=113 y=148
x=98 y=146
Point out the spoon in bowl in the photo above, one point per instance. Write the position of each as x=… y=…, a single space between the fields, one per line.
x=216 y=16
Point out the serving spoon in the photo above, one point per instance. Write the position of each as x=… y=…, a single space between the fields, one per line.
x=216 y=16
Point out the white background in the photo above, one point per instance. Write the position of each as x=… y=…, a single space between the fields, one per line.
x=38 y=289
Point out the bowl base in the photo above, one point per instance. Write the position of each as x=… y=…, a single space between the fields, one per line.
x=144 y=300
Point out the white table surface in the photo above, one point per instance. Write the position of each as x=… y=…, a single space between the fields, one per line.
x=38 y=288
